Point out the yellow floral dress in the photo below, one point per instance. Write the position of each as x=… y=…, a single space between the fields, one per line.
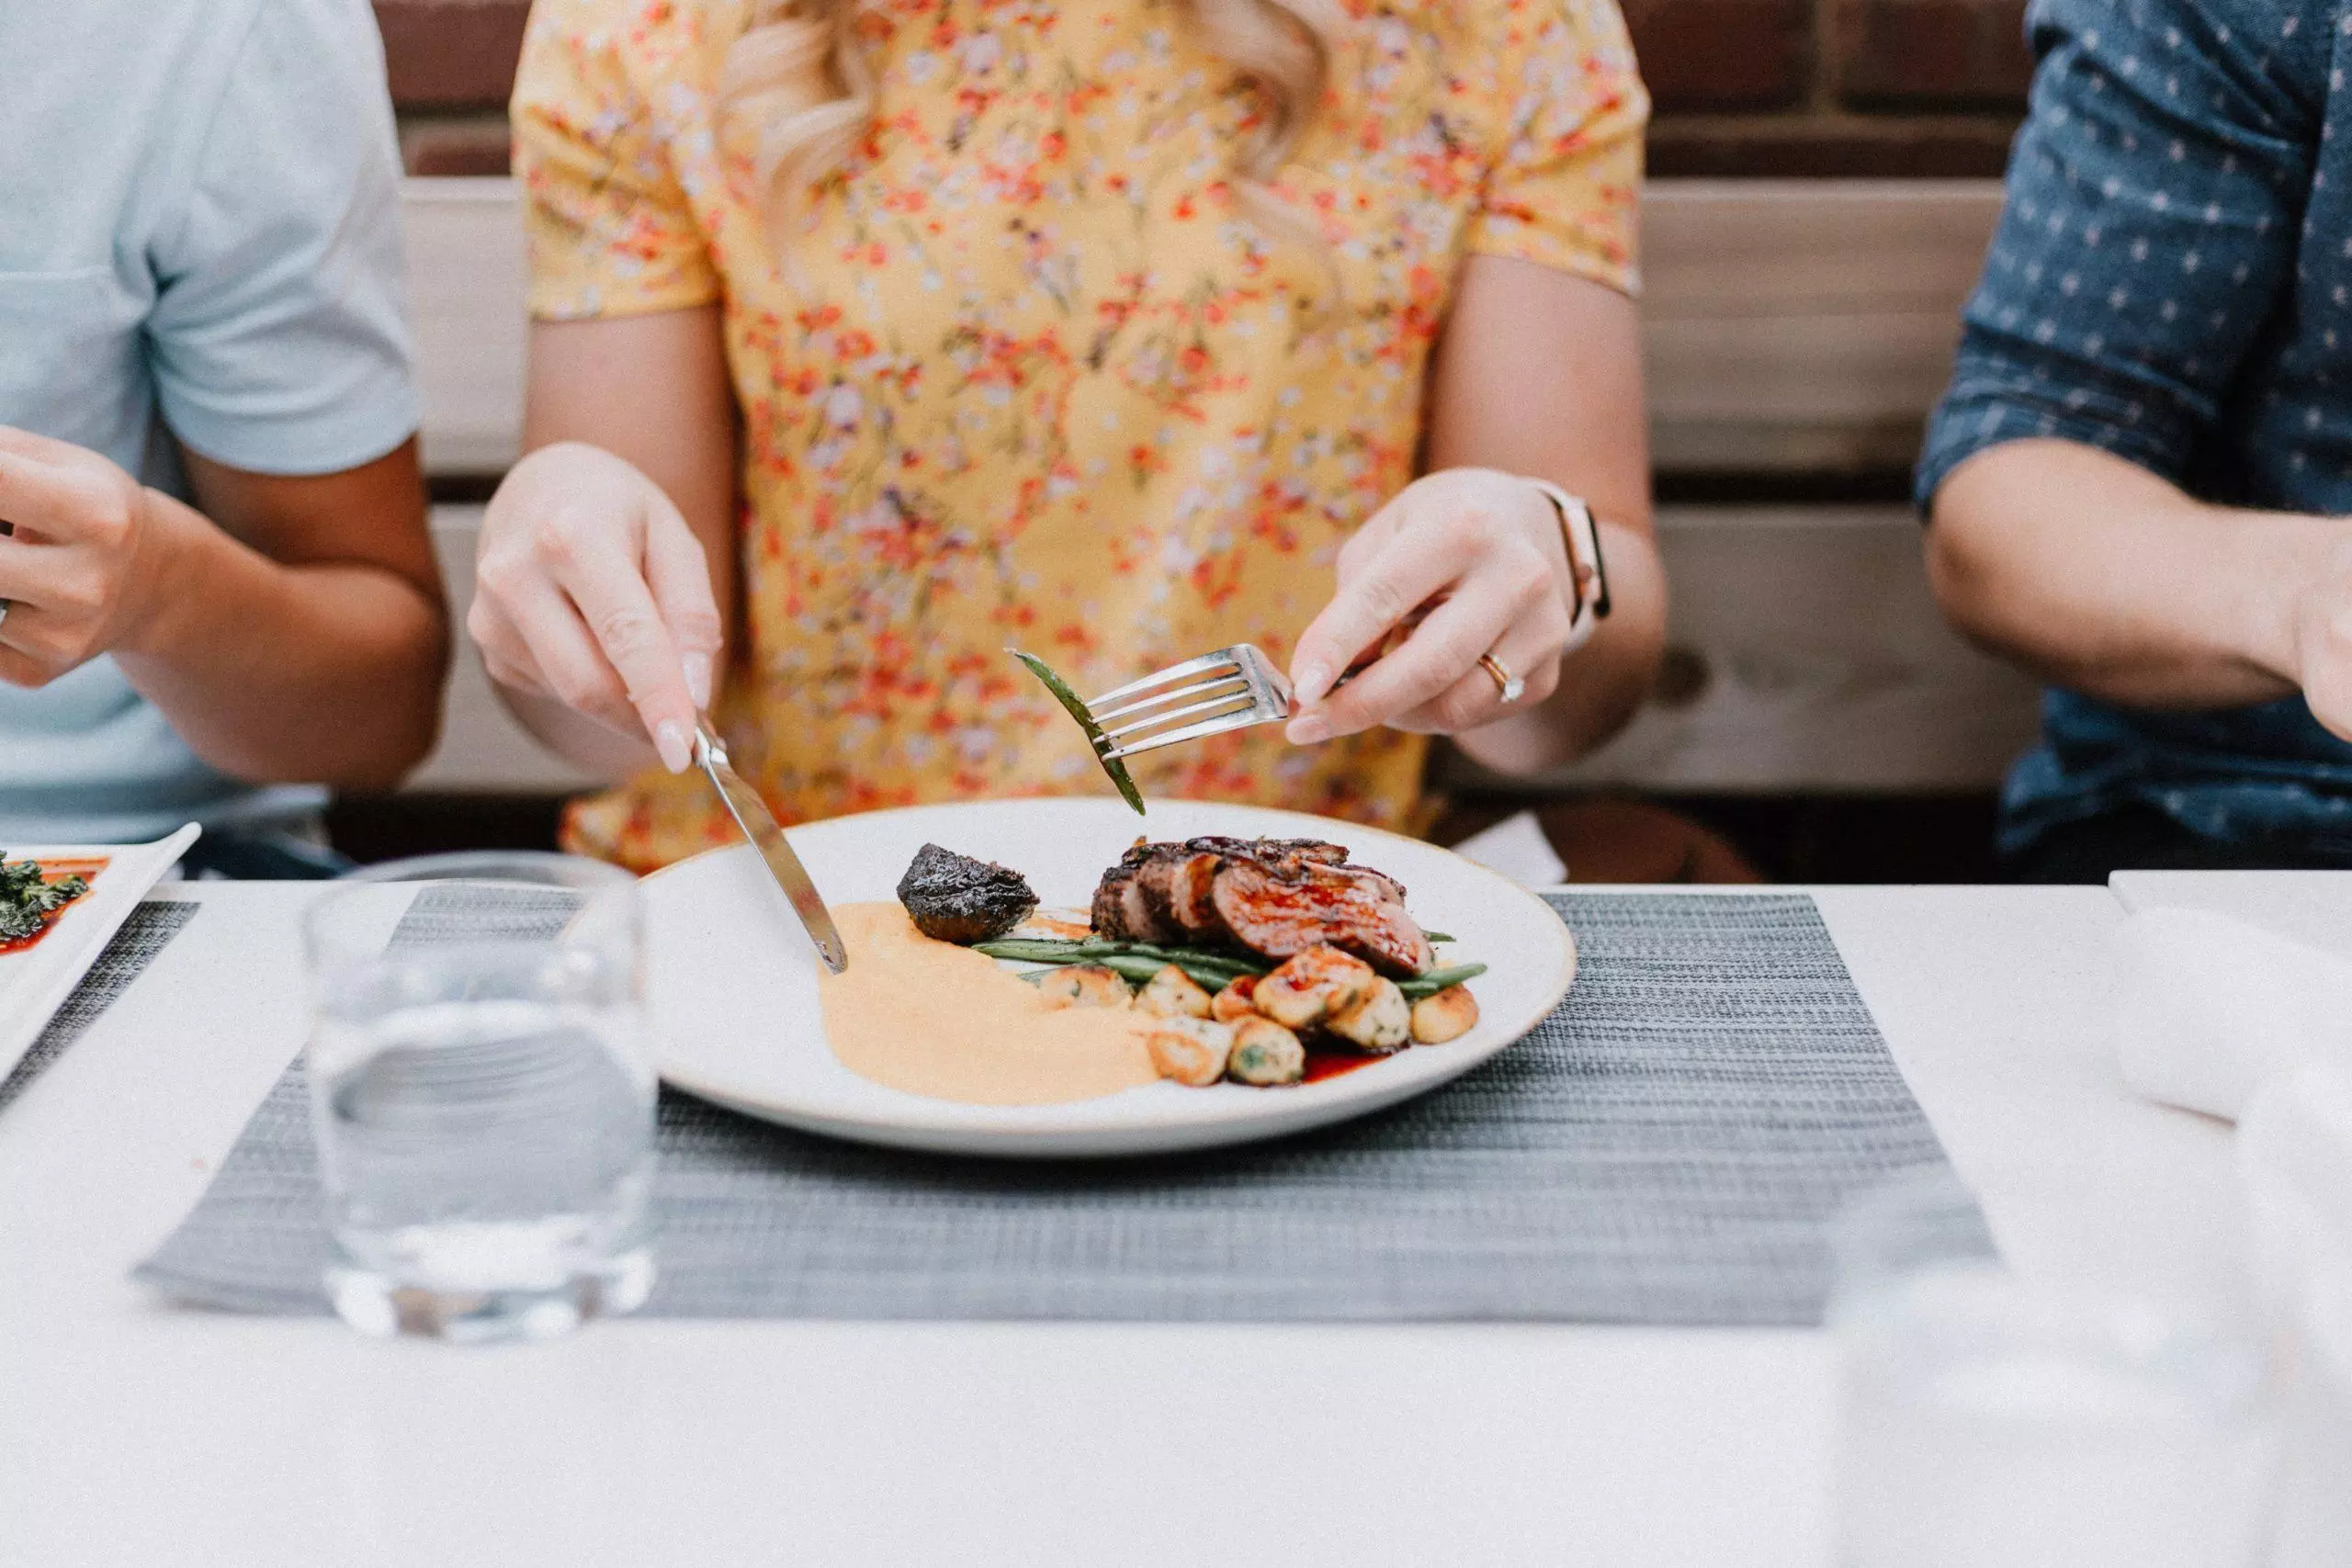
x=1033 y=379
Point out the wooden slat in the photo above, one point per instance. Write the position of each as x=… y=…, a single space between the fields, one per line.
x=1814 y=247
x=1796 y=325
x=1803 y=325
x=1818 y=659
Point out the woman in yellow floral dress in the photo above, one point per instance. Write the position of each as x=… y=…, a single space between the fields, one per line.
x=872 y=337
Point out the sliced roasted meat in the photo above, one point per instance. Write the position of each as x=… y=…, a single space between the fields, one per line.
x=1189 y=896
x=1274 y=896
x=1377 y=882
x=1153 y=877
x=1123 y=906
x=1273 y=851
x=1342 y=906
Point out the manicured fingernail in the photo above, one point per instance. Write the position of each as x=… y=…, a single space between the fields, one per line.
x=1313 y=682
x=671 y=742
x=698 y=679
x=1308 y=728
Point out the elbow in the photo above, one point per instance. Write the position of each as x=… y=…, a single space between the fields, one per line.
x=1627 y=653
x=394 y=725
x=1965 y=573
x=391 y=756
x=407 y=725
x=1638 y=659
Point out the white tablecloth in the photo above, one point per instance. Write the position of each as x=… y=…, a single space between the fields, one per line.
x=132 y=1434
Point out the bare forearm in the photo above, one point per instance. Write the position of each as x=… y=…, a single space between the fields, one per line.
x=1540 y=374
x=2105 y=578
x=1601 y=683
x=327 y=672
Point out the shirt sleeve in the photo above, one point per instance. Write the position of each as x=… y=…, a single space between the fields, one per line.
x=1564 y=190
x=611 y=231
x=277 y=340
x=2150 y=223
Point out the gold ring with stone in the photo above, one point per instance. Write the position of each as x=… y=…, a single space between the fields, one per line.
x=1507 y=684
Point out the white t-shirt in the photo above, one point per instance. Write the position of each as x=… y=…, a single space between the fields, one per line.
x=199 y=244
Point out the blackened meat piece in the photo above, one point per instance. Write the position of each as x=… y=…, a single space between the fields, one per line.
x=955 y=898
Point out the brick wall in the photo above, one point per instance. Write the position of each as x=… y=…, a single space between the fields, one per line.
x=1744 y=87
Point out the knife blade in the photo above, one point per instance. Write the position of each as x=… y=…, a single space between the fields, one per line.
x=752 y=815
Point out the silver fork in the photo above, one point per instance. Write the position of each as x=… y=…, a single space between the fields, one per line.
x=1230 y=689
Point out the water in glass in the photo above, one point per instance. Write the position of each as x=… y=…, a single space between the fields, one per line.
x=483 y=1108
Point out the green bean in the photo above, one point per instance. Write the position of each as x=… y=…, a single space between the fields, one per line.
x=1040 y=950
x=1142 y=960
x=1194 y=955
x=1056 y=950
x=1075 y=705
x=1136 y=967
x=1430 y=982
x=1437 y=936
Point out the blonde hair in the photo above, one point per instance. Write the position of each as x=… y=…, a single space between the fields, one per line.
x=798 y=88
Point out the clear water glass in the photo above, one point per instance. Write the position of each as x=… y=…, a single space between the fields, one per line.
x=1986 y=1418
x=481 y=1095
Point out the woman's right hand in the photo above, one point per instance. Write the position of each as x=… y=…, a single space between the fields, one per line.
x=592 y=591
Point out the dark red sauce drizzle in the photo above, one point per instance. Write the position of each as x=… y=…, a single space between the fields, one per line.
x=1322 y=1061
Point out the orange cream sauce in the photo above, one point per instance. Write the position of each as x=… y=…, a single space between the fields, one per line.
x=934 y=1019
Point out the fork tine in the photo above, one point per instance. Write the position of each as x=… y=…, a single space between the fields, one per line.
x=1223 y=700
x=1222 y=658
x=1240 y=719
x=1229 y=683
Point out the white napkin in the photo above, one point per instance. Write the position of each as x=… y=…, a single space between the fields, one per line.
x=1517 y=848
x=2294 y=1156
x=2212 y=1007
x=2222 y=1017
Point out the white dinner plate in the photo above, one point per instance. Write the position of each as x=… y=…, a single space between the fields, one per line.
x=733 y=980
x=35 y=981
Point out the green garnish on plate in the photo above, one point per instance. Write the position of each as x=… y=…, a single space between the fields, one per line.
x=28 y=900
x=1212 y=968
x=1101 y=742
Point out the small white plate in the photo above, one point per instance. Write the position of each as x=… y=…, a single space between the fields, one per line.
x=35 y=981
x=733 y=980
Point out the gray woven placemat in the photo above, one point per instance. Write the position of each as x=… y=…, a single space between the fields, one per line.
x=133 y=947
x=1665 y=1148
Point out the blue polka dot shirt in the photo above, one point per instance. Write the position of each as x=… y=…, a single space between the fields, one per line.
x=2172 y=281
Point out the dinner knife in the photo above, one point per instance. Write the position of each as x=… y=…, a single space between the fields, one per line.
x=752 y=815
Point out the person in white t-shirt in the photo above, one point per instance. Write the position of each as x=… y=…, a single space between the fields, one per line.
x=219 y=595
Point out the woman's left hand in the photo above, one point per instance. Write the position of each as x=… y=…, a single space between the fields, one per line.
x=1487 y=547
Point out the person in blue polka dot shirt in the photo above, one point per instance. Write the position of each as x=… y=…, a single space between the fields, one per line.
x=2139 y=483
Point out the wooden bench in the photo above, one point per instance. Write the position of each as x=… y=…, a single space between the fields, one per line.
x=1792 y=329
